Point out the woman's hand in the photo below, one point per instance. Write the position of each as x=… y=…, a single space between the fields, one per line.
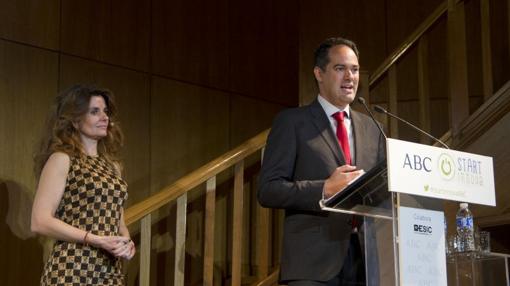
x=129 y=250
x=115 y=245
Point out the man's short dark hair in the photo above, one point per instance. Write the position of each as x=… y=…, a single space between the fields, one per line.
x=321 y=54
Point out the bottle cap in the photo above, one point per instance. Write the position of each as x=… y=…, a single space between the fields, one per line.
x=463 y=205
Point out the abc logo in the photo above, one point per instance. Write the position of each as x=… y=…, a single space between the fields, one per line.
x=418 y=163
x=423 y=229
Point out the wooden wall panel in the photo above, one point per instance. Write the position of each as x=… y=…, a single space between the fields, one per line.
x=403 y=17
x=249 y=117
x=457 y=64
x=189 y=127
x=28 y=79
x=31 y=21
x=439 y=117
x=438 y=79
x=362 y=21
x=392 y=76
x=132 y=94
x=407 y=70
x=285 y=64
x=264 y=50
x=28 y=84
x=380 y=91
x=410 y=111
x=438 y=61
x=115 y=31
x=500 y=43
x=190 y=41
x=474 y=50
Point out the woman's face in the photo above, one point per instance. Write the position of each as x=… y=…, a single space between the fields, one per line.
x=94 y=124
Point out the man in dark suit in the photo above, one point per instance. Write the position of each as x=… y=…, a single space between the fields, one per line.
x=312 y=153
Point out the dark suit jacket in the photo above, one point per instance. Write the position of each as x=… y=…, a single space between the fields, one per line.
x=302 y=151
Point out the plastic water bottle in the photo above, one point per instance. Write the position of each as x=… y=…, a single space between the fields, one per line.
x=465 y=229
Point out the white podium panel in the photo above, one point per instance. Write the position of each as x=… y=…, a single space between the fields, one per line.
x=434 y=172
x=422 y=247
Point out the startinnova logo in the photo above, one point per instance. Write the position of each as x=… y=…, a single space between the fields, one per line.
x=446 y=166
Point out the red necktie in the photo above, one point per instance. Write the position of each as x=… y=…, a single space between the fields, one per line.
x=343 y=139
x=341 y=135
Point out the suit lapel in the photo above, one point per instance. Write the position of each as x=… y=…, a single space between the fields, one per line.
x=323 y=126
x=360 y=136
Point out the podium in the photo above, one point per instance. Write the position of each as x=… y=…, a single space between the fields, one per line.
x=401 y=200
x=368 y=196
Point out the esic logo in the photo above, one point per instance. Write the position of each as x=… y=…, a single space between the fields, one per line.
x=446 y=166
x=423 y=229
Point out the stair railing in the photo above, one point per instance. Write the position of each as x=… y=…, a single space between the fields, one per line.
x=178 y=192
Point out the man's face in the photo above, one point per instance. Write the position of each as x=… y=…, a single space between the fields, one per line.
x=338 y=83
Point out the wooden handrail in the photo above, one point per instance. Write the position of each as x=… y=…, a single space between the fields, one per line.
x=195 y=178
x=410 y=41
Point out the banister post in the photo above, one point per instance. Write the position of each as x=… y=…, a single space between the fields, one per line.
x=264 y=236
x=262 y=253
x=237 y=223
x=145 y=250
x=180 y=240
x=210 y=214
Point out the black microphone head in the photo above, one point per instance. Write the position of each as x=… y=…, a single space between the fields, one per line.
x=361 y=100
x=379 y=109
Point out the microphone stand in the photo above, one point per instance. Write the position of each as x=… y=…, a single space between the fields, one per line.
x=382 y=110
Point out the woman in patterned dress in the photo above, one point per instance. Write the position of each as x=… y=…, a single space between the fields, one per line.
x=80 y=194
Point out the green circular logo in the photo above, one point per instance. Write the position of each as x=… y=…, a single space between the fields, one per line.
x=446 y=166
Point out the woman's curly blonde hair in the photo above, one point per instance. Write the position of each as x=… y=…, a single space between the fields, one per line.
x=61 y=135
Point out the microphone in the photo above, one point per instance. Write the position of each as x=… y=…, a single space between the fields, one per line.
x=363 y=102
x=382 y=110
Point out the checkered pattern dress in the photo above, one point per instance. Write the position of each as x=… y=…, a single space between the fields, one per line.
x=92 y=201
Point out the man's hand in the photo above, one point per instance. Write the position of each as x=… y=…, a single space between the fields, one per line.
x=339 y=179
